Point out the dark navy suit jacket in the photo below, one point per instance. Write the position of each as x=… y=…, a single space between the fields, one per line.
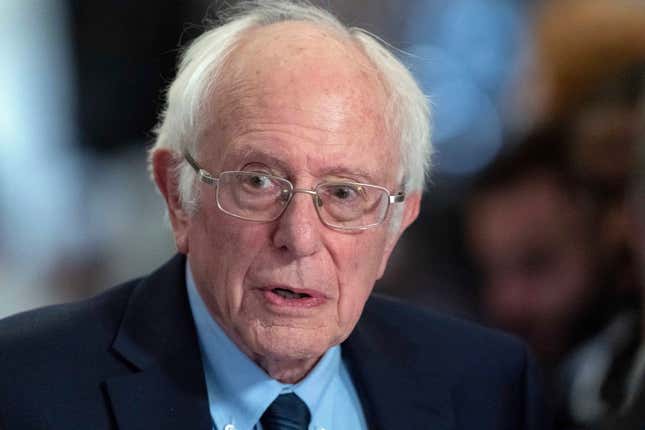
x=129 y=359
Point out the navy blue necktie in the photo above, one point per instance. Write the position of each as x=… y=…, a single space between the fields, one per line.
x=287 y=412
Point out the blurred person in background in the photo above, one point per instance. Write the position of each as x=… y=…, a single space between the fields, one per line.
x=291 y=155
x=533 y=230
x=531 y=235
x=602 y=143
x=589 y=80
x=607 y=374
x=548 y=224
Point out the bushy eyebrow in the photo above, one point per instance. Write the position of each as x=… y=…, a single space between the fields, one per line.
x=355 y=175
x=251 y=155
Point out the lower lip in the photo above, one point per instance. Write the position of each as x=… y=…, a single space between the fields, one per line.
x=278 y=300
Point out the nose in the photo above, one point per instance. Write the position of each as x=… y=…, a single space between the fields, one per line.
x=298 y=229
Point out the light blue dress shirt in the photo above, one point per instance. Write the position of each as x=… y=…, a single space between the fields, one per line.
x=239 y=391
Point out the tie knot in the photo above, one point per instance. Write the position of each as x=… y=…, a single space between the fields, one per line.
x=287 y=412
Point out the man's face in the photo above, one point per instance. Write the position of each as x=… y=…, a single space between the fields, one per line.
x=530 y=242
x=297 y=106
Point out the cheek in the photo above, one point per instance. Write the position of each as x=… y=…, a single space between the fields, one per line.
x=229 y=242
x=358 y=263
x=219 y=265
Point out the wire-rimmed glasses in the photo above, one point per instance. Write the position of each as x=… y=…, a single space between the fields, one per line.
x=261 y=197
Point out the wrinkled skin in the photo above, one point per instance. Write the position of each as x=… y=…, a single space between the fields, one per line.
x=300 y=103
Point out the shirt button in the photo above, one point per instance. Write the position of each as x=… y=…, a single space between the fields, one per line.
x=229 y=427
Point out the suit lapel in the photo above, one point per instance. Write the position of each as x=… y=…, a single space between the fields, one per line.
x=157 y=337
x=166 y=389
x=395 y=391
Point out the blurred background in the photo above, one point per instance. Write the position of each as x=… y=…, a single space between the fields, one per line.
x=532 y=221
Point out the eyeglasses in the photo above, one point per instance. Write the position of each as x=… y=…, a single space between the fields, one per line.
x=260 y=197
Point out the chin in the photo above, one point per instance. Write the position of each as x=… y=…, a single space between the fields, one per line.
x=283 y=343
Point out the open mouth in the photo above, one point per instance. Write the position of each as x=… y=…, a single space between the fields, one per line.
x=285 y=297
x=288 y=294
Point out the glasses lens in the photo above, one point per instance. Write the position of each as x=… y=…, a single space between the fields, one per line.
x=252 y=195
x=351 y=205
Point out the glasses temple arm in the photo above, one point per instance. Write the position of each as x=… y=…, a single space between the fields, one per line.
x=204 y=176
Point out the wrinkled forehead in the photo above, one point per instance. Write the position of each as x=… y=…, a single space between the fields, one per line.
x=312 y=71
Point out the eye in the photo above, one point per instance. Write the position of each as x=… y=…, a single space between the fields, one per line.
x=345 y=192
x=258 y=181
x=342 y=193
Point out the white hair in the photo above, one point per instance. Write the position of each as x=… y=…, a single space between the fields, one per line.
x=202 y=65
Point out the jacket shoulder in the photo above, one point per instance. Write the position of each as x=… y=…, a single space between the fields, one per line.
x=62 y=332
x=490 y=376
x=455 y=343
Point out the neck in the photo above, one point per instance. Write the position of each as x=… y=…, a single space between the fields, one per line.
x=287 y=371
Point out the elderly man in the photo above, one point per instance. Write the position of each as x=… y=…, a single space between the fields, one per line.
x=291 y=156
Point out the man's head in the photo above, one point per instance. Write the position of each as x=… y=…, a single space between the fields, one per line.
x=284 y=90
x=529 y=232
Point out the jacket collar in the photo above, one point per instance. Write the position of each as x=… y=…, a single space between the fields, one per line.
x=157 y=338
x=167 y=390
x=395 y=388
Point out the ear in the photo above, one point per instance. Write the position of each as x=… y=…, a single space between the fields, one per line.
x=164 y=165
x=410 y=213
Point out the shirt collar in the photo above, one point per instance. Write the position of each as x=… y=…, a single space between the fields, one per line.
x=239 y=391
